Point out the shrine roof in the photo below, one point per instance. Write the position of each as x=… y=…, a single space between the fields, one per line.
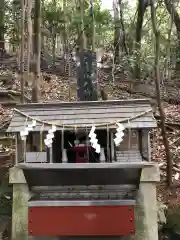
x=132 y=113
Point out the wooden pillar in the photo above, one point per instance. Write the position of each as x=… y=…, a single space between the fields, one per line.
x=146 y=148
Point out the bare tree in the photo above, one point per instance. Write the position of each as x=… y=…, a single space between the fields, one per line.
x=54 y=36
x=22 y=49
x=124 y=44
x=93 y=28
x=37 y=52
x=67 y=46
x=116 y=31
x=142 y=6
x=83 y=44
x=29 y=30
x=160 y=106
x=2 y=5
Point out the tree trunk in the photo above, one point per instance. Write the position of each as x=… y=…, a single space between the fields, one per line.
x=15 y=21
x=29 y=26
x=65 y=27
x=37 y=52
x=167 y=70
x=43 y=24
x=54 y=47
x=116 y=31
x=54 y=37
x=124 y=44
x=93 y=28
x=2 y=44
x=83 y=36
x=67 y=47
x=16 y=28
x=159 y=101
x=142 y=5
x=176 y=19
x=22 y=49
x=65 y=37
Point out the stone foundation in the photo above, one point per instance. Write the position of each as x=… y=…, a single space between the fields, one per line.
x=146 y=209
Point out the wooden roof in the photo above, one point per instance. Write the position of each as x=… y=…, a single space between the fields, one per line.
x=85 y=113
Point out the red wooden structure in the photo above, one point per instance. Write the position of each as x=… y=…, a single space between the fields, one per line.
x=81 y=221
x=81 y=153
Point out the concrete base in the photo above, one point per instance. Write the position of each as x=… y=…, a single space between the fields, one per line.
x=146 y=209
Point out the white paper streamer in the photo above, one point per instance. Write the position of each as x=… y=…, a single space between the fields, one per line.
x=94 y=141
x=119 y=134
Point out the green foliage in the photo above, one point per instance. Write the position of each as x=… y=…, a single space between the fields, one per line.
x=12 y=21
x=54 y=19
x=55 y=22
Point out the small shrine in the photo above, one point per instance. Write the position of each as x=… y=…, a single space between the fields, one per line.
x=81 y=164
x=105 y=131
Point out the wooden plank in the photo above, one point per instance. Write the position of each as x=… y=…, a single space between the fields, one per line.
x=82 y=121
x=108 y=113
x=46 y=111
x=80 y=106
x=96 y=116
x=86 y=103
x=128 y=156
x=85 y=122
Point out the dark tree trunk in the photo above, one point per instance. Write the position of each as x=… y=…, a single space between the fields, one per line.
x=2 y=44
x=158 y=95
x=37 y=52
x=142 y=5
x=116 y=32
x=124 y=44
x=22 y=50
